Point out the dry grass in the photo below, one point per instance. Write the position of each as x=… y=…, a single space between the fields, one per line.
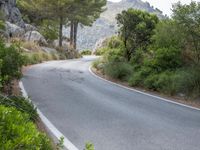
x=31 y=46
x=39 y=57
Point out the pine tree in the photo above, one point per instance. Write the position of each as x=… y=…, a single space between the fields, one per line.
x=38 y=10
x=83 y=12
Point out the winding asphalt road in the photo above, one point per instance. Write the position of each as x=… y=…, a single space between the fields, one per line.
x=85 y=108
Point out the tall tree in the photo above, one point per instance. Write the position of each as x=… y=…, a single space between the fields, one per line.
x=38 y=10
x=31 y=10
x=136 y=29
x=58 y=10
x=188 y=19
x=83 y=12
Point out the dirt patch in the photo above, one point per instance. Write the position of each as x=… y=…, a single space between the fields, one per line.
x=16 y=91
x=182 y=100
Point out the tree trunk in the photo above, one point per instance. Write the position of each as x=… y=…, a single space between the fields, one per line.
x=75 y=34
x=72 y=34
x=61 y=32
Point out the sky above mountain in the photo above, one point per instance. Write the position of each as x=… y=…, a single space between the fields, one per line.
x=163 y=5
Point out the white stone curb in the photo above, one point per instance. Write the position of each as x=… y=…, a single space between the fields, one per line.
x=147 y=94
x=68 y=145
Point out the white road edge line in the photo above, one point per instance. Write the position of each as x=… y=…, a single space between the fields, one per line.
x=48 y=124
x=147 y=94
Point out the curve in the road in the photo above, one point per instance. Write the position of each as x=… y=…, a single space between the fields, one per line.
x=85 y=108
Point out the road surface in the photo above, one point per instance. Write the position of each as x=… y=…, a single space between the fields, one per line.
x=85 y=108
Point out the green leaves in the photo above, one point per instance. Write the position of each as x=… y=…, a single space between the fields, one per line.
x=21 y=104
x=89 y=146
x=17 y=132
x=136 y=29
x=188 y=20
x=11 y=63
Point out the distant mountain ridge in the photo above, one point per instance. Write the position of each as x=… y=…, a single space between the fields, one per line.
x=106 y=26
x=114 y=8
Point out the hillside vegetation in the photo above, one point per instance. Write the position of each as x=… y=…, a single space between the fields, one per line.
x=106 y=25
x=23 y=44
x=158 y=55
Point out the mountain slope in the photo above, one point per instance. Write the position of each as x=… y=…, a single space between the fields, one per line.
x=105 y=26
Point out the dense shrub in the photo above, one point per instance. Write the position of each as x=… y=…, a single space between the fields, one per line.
x=167 y=58
x=136 y=79
x=21 y=104
x=138 y=57
x=114 y=55
x=190 y=81
x=118 y=70
x=98 y=64
x=164 y=57
x=165 y=82
x=111 y=43
x=11 y=64
x=150 y=81
x=115 y=42
x=101 y=51
x=17 y=132
x=167 y=34
x=86 y=52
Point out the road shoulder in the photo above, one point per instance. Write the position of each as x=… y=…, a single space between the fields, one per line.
x=171 y=99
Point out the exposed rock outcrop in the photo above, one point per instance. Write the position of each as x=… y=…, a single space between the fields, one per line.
x=35 y=36
x=13 y=30
x=29 y=27
x=11 y=12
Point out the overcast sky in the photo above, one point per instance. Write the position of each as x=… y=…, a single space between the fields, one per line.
x=164 y=5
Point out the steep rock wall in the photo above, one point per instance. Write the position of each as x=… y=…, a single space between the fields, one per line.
x=11 y=12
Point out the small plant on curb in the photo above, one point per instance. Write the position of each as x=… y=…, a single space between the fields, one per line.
x=60 y=144
x=89 y=146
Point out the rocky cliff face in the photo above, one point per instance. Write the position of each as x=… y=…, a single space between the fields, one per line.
x=11 y=12
x=106 y=25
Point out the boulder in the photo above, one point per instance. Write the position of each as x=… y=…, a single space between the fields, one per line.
x=13 y=30
x=35 y=36
x=29 y=27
